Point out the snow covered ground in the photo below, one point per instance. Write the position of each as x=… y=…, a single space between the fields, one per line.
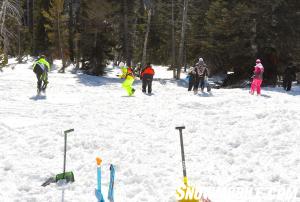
x=238 y=147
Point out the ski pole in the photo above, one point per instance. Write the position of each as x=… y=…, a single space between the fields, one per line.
x=65 y=150
x=182 y=153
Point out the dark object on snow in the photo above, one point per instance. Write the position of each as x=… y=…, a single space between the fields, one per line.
x=68 y=176
x=49 y=181
x=288 y=76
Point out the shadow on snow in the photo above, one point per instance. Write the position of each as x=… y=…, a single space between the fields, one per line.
x=38 y=97
x=90 y=80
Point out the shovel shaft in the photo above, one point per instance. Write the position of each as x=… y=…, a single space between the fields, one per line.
x=182 y=154
x=99 y=178
x=65 y=149
x=65 y=153
x=182 y=150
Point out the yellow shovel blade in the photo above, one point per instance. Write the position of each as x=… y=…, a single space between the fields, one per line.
x=187 y=193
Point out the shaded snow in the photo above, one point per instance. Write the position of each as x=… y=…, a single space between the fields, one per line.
x=231 y=139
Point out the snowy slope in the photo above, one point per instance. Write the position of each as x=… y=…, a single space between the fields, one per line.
x=232 y=139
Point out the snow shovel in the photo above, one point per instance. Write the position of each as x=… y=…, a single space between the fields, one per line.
x=185 y=179
x=67 y=176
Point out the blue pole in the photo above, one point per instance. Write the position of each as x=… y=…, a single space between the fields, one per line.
x=98 y=190
x=99 y=178
x=111 y=184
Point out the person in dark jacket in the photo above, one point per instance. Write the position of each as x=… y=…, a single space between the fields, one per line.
x=201 y=72
x=191 y=78
x=147 y=78
x=288 y=76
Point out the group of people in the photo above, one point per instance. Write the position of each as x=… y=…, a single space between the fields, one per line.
x=289 y=75
x=146 y=74
x=197 y=76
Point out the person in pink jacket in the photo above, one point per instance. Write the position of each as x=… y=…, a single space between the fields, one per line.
x=257 y=77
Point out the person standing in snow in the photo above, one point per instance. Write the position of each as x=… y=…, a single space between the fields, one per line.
x=201 y=72
x=191 y=78
x=128 y=75
x=257 y=78
x=288 y=76
x=41 y=68
x=138 y=69
x=147 y=78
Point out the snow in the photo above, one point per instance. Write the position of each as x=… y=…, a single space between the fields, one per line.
x=232 y=139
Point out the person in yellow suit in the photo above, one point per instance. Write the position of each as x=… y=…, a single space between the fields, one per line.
x=41 y=68
x=128 y=75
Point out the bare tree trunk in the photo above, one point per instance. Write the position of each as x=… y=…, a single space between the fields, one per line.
x=182 y=41
x=19 y=45
x=33 y=33
x=28 y=13
x=60 y=45
x=8 y=9
x=95 y=62
x=71 y=31
x=253 y=38
x=134 y=37
x=77 y=53
x=173 y=42
x=19 y=38
x=126 y=38
x=146 y=38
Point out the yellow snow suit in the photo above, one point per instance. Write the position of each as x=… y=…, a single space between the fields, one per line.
x=128 y=75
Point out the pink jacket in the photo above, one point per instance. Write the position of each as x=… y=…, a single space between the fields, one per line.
x=258 y=71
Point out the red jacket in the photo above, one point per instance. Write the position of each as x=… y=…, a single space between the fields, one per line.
x=148 y=70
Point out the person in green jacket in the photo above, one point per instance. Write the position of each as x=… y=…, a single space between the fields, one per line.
x=128 y=75
x=41 y=68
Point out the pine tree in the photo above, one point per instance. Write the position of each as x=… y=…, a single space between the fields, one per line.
x=96 y=44
x=57 y=29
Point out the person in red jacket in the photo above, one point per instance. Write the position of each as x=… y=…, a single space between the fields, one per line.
x=147 y=78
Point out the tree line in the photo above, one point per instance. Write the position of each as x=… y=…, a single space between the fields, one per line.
x=229 y=35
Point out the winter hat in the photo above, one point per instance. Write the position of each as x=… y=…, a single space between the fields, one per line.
x=258 y=61
x=121 y=64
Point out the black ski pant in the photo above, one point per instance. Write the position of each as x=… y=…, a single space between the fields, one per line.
x=287 y=84
x=196 y=83
x=147 y=83
x=42 y=79
x=191 y=83
x=202 y=83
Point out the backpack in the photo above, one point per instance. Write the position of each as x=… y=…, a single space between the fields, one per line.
x=39 y=68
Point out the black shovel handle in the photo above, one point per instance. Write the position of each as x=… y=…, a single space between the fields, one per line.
x=182 y=149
